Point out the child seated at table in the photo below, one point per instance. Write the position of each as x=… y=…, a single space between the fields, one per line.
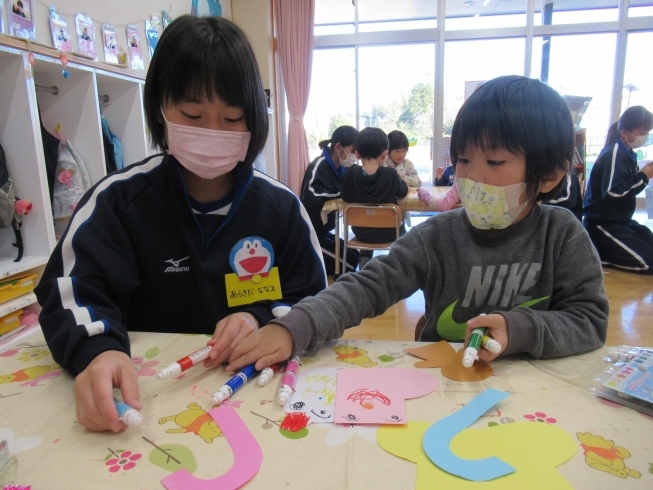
x=531 y=269
x=163 y=245
x=397 y=151
x=372 y=183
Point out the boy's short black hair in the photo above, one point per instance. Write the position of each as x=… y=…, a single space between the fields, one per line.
x=371 y=142
x=523 y=116
x=397 y=140
x=204 y=58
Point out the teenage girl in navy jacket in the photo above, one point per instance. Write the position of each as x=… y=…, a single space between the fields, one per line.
x=613 y=186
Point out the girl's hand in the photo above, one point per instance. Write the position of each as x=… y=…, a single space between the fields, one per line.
x=228 y=332
x=497 y=328
x=269 y=345
x=94 y=386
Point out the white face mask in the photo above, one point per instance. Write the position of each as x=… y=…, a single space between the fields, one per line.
x=639 y=141
x=488 y=206
x=349 y=160
x=208 y=153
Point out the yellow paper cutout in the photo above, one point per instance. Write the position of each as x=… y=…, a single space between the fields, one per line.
x=258 y=288
x=533 y=449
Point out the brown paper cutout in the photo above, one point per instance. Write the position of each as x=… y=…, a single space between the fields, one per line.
x=442 y=355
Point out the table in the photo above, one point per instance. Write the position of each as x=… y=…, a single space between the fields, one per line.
x=53 y=452
x=407 y=204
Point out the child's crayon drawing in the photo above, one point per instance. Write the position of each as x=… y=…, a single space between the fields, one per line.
x=535 y=464
x=315 y=395
x=377 y=396
x=603 y=455
x=195 y=420
x=539 y=417
x=143 y=367
x=353 y=355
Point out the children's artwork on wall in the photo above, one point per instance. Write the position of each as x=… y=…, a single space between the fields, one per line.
x=152 y=34
x=85 y=36
x=438 y=437
x=247 y=455
x=535 y=463
x=19 y=19
x=315 y=395
x=60 y=35
x=110 y=43
x=442 y=355
x=165 y=19
x=378 y=396
x=206 y=7
x=604 y=455
x=135 y=51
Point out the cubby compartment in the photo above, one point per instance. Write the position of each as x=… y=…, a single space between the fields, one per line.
x=121 y=103
x=21 y=140
x=73 y=103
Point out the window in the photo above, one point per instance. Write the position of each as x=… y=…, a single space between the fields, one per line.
x=638 y=84
x=334 y=17
x=483 y=14
x=583 y=66
x=397 y=93
x=332 y=101
x=640 y=8
x=548 y=12
x=376 y=15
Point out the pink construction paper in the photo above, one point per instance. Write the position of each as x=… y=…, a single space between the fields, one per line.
x=377 y=396
x=248 y=457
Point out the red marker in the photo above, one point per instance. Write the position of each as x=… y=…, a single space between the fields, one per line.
x=184 y=363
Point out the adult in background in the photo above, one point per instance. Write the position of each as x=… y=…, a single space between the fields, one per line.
x=322 y=182
x=611 y=193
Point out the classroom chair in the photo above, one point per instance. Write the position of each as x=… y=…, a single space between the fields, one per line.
x=370 y=216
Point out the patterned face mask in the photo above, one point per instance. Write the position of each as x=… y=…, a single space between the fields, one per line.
x=489 y=206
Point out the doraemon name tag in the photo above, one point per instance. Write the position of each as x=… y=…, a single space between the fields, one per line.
x=255 y=279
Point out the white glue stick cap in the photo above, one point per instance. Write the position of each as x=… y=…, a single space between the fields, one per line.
x=493 y=346
x=132 y=417
x=469 y=357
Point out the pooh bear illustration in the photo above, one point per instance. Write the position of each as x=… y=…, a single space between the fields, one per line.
x=195 y=420
x=603 y=455
x=353 y=355
x=31 y=373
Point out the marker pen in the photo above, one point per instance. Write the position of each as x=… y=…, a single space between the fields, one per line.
x=490 y=344
x=267 y=374
x=288 y=381
x=471 y=352
x=234 y=384
x=184 y=363
x=129 y=415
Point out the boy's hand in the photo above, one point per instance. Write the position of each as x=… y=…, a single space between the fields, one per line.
x=228 y=332
x=439 y=172
x=648 y=170
x=269 y=345
x=94 y=391
x=497 y=328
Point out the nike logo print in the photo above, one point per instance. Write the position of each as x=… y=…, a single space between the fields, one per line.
x=449 y=329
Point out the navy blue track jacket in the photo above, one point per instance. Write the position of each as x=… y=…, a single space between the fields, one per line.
x=134 y=258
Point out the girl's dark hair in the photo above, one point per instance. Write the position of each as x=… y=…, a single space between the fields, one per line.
x=525 y=117
x=371 y=142
x=345 y=135
x=634 y=117
x=397 y=140
x=200 y=58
